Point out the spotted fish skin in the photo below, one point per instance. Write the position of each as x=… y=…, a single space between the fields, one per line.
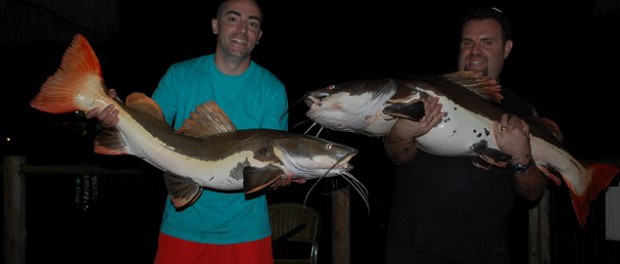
x=372 y=107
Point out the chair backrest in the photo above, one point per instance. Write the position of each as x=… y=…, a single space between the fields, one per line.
x=295 y=223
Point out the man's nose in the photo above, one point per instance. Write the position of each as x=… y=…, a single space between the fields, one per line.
x=475 y=49
x=242 y=27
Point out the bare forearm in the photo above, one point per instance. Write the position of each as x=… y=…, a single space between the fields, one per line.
x=531 y=184
x=400 y=149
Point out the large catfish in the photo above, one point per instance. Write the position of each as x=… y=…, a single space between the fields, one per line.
x=207 y=151
x=371 y=107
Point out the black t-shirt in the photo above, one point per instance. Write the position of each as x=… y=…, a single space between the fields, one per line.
x=447 y=206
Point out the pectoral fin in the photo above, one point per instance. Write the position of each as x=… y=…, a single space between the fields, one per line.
x=110 y=142
x=255 y=179
x=491 y=156
x=182 y=191
x=413 y=111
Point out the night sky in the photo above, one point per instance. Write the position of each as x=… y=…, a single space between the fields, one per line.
x=564 y=61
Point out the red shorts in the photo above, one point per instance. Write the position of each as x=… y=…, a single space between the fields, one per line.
x=172 y=250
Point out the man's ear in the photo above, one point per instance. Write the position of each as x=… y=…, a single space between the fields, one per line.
x=260 y=34
x=214 y=25
x=507 y=48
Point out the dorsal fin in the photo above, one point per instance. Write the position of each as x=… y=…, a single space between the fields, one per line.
x=208 y=119
x=483 y=86
x=144 y=104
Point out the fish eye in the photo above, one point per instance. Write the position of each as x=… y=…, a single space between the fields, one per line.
x=323 y=95
x=331 y=87
x=329 y=146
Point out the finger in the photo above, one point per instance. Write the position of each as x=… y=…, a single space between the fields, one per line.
x=525 y=127
x=511 y=122
x=109 y=120
x=288 y=180
x=497 y=128
x=92 y=112
x=437 y=117
x=107 y=111
x=112 y=93
x=519 y=123
x=504 y=120
x=433 y=110
x=300 y=180
x=434 y=101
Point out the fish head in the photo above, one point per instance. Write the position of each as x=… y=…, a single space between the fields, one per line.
x=352 y=106
x=310 y=157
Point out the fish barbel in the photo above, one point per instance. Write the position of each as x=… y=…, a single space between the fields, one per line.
x=372 y=107
x=207 y=151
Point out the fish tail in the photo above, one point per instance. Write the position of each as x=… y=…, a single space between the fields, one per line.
x=602 y=175
x=68 y=89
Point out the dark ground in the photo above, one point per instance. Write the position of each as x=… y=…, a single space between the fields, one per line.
x=565 y=61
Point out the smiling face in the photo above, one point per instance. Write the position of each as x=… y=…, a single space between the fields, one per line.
x=238 y=29
x=482 y=48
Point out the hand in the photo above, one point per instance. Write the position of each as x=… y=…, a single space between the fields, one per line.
x=411 y=129
x=286 y=181
x=400 y=144
x=513 y=137
x=109 y=116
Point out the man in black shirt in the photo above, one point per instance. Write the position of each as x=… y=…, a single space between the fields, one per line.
x=445 y=209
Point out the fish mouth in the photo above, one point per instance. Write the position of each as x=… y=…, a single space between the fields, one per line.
x=344 y=164
x=314 y=99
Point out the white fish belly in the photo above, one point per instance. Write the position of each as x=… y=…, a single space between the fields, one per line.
x=577 y=177
x=457 y=133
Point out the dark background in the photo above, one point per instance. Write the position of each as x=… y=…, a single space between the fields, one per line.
x=565 y=61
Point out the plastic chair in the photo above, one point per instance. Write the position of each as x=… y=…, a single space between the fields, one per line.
x=295 y=233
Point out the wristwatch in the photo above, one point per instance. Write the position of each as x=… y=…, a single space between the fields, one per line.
x=520 y=168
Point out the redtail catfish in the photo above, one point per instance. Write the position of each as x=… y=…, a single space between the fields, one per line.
x=371 y=107
x=207 y=151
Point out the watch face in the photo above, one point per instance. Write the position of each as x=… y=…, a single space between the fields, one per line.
x=519 y=168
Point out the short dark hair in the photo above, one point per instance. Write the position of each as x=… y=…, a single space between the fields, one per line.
x=221 y=6
x=481 y=13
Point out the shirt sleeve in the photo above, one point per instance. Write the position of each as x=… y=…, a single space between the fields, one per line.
x=276 y=115
x=165 y=95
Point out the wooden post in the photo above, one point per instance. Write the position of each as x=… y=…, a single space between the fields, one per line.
x=14 y=210
x=341 y=226
x=540 y=248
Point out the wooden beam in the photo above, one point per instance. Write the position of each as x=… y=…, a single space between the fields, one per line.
x=539 y=244
x=14 y=186
x=14 y=210
x=341 y=226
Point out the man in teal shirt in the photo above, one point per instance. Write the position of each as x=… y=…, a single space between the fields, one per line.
x=220 y=227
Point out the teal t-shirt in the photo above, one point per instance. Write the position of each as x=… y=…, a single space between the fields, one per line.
x=255 y=99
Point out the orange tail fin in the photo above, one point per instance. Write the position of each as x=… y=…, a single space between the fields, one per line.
x=79 y=67
x=602 y=175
